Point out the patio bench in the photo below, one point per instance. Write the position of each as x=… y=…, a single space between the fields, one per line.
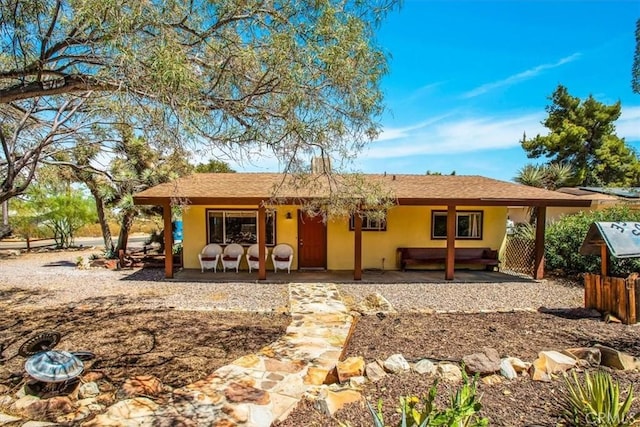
x=430 y=256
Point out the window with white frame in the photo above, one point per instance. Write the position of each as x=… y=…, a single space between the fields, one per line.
x=370 y=222
x=468 y=225
x=238 y=226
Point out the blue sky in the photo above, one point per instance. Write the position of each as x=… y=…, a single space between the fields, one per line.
x=467 y=78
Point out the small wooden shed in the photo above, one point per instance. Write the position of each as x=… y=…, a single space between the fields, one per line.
x=615 y=295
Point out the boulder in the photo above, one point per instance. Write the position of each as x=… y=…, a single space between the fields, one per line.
x=615 y=359
x=449 y=372
x=142 y=385
x=551 y=362
x=396 y=364
x=330 y=401
x=88 y=390
x=483 y=363
x=424 y=367
x=350 y=367
x=374 y=371
x=518 y=365
x=492 y=379
x=590 y=355
x=507 y=370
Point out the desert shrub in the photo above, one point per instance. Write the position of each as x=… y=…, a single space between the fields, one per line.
x=462 y=410
x=595 y=401
x=564 y=237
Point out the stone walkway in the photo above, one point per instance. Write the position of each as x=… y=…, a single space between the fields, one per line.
x=258 y=389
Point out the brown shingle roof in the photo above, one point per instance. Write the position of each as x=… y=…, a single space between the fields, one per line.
x=249 y=188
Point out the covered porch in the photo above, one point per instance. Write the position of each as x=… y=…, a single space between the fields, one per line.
x=346 y=276
x=420 y=200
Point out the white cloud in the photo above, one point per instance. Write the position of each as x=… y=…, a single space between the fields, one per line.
x=442 y=136
x=628 y=125
x=516 y=78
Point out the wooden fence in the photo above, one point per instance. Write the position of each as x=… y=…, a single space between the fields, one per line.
x=615 y=295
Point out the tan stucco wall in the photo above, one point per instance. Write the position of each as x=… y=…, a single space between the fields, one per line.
x=406 y=226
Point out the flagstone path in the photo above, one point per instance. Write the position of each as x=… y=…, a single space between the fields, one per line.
x=257 y=389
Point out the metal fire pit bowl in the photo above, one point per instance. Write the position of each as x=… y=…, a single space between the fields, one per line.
x=47 y=365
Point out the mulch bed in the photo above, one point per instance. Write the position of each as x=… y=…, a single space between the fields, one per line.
x=520 y=402
x=180 y=347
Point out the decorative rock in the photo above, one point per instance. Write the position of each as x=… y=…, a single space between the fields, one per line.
x=589 y=354
x=351 y=367
x=424 y=367
x=374 y=371
x=138 y=411
x=92 y=377
x=615 y=359
x=39 y=424
x=316 y=376
x=146 y=385
x=7 y=419
x=331 y=401
x=23 y=403
x=43 y=408
x=449 y=372
x=538 y=371
x=88 y=390
x=396 y=364
x=374 y=303
x=6 y=401
x=507 y=370
x=357 y=382
x=518 y=365
x=239 y=393
x=483 y=363
x=492 y=379
x=557 y=362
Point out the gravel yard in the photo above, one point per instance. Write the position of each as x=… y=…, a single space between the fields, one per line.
x=51 y=278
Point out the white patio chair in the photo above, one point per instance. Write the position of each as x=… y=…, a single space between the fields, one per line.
x=209 y=257
x=253 y=257
x=282 y=256
x=231 y=256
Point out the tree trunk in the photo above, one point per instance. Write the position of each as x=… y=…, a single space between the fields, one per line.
x=125 y=226
x=104 y=225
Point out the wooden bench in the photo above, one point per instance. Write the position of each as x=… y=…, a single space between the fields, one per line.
x=429 y=256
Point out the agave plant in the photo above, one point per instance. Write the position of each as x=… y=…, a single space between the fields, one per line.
x=596 y=402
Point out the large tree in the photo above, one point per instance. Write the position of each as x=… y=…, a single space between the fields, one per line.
x=295 y=76
x=582 y=136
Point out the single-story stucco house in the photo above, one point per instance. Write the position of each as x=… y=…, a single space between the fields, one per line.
x=241 y=207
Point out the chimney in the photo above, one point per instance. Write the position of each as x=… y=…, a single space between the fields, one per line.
x=320 y=165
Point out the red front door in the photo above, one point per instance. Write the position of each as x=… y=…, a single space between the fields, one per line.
x=312 y=241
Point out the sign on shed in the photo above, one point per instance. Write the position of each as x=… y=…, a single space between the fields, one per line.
x=621 y=238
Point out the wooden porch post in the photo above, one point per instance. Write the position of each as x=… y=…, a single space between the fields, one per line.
x=262 y=242
x=168 y=241
x=538 y=267
x=604 y=261
x=357 y=256
x=451 y=243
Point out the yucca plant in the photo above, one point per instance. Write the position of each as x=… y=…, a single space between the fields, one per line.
x=596 y=402
x=421 y=412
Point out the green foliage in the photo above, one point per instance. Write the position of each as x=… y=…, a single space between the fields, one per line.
x=582 y=136
x=292 y=77
x=61 y=210
x=415 y=411
x=635 y=70
x=214 y=166
x=564 y=237
x=596 y=402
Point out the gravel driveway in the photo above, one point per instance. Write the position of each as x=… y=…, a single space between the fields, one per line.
x=51 y=278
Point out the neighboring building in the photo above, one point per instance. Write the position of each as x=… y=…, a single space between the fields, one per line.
x=600 y=197
x=228 y=208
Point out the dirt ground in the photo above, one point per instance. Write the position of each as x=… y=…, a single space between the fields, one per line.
x=520 y=402
x=180 y=347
